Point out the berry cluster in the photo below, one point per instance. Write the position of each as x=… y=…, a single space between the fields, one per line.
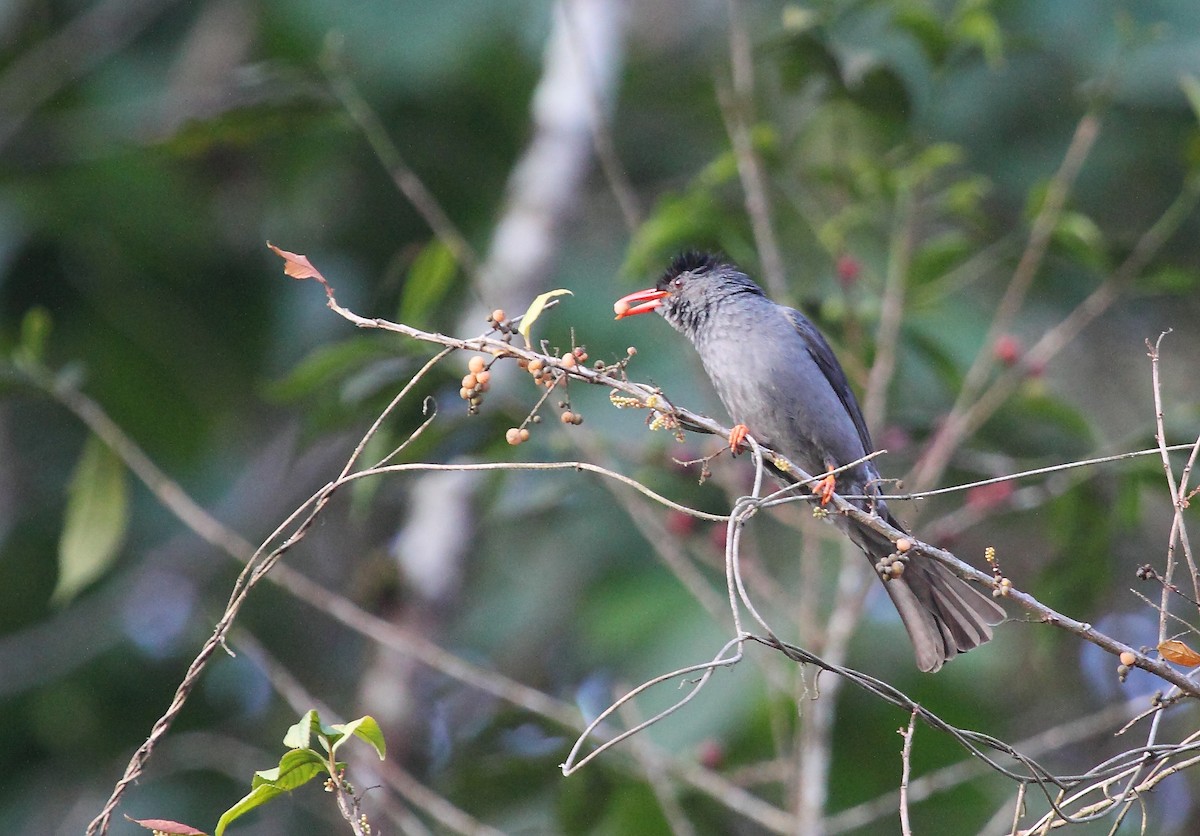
x=1128 y=660
x=548 y=377
x=1003 y=584
x=892 y=566
x=549 y=373
x=478 y=376
x=475 y=383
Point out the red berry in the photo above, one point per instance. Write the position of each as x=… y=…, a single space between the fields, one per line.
x=1007 y=349
x=848 y=269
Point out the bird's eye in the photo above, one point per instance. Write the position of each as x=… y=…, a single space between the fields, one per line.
x=678 y=283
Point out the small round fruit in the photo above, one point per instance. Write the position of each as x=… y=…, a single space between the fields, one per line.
x=621 y=307
x=631 y=351
x=513 y=436
x=498 y=315
x=1128 y=659
x=569 y=361
x=903 y=544
x=476 y=364
x=568 y=417
x=482 y=377
x=465 y=393
x=535 y=365
x=524 y=433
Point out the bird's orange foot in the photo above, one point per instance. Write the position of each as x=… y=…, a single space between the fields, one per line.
x=737 y=438
x=825 y=488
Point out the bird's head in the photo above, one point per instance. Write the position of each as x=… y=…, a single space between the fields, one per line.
x=687 y=292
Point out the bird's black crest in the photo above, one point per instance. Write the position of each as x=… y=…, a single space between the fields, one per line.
x=690 y=262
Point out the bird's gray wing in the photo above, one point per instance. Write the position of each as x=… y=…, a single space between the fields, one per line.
x=826 y=360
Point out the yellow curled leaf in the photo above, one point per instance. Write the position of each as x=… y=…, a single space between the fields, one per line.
x=535 y=310
x=1176 y=651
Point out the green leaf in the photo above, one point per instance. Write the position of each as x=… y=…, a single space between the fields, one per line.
x=1080 y=236
x=299 y=735
x=296 y=768
x=429 y=280
x=536 y=308
x=926 y=28
x=937 y=256
x=1170 y=279
x=1191 y=88
x=365 y=728
x=35 y=332
x=96 y=520
x=980 y=27
x=327 y=367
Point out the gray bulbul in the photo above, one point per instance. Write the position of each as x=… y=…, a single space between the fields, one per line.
x=780 y=381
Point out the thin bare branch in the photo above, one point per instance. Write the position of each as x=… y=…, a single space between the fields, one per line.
x=737 y=108
x=906 y=772
x=403 y=175
x=954 y=429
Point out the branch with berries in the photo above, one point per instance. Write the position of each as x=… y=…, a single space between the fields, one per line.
x=558 y=371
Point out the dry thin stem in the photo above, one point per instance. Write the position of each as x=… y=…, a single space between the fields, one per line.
x=891 y=315
x=262 y=561
x=1177 y=491
x=906 y=771
x=737 y=109
x=1053 y=739
x=406 y=179
x=968 y=416
x=403 y=783
x=664 y=789
x=956 y=425
x=705 y=669
x=655 y=400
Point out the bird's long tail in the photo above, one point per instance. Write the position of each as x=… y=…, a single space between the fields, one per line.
x=943 y=614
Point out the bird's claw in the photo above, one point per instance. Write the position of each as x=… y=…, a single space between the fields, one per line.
x=825 y=488
x=737 y=438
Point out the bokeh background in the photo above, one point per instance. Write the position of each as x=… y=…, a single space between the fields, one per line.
x=150 y=148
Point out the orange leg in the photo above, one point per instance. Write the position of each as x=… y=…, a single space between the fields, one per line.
x=737 y=438
x=825 y=488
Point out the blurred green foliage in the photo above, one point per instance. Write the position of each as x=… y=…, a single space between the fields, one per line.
x=134 y=204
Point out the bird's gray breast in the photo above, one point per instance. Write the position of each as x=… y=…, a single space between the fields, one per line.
x=767 y=378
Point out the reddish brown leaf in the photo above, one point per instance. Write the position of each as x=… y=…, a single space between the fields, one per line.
x=167 y=826
x=297 y=266
x=1176 y=651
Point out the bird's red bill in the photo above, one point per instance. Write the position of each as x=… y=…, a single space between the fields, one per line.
x=644 y=301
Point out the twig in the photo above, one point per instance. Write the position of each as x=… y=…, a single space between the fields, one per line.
x=1178 y=526
x=737 y=109
x=402 y=174
x=891 y=313
x=905 y=771
x=654 y=399
x=955 y=427
x=405 y=785
x=971 y=417
x=573 y=763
